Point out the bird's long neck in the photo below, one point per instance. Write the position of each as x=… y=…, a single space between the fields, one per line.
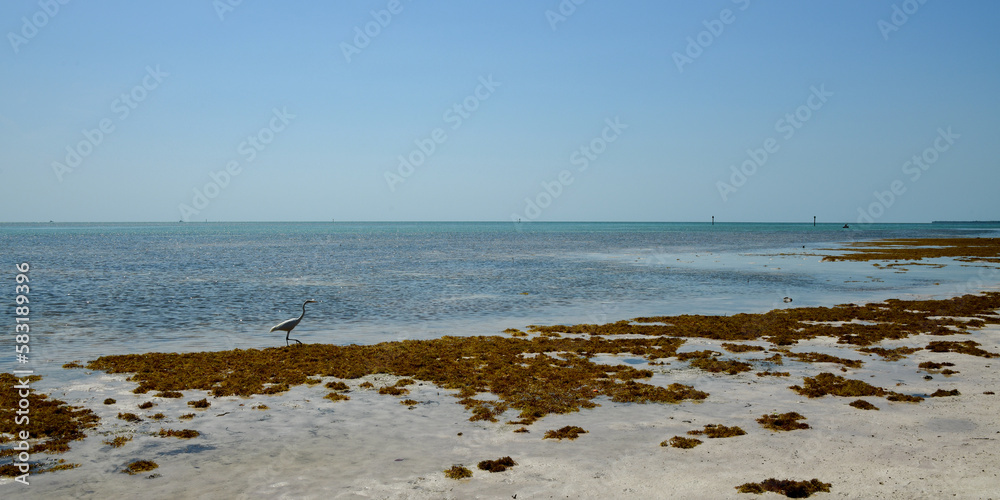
x=303 y=311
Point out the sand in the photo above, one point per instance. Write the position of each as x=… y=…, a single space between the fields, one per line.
x=371 y=446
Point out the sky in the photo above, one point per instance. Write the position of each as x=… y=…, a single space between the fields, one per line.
x=558 y=110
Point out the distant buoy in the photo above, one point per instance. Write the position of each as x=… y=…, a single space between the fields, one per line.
x=787 y=299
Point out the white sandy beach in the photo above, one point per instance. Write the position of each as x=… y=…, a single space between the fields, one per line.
x=371 y=446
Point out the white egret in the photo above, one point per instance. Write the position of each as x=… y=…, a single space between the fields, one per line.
x=288 y=324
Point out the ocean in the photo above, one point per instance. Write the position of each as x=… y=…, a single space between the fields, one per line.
x=109 y=288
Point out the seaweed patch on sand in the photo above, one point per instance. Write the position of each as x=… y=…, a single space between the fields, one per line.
x=681 y=442
x=961 y=249
x=524 y=373
x=714 y=431
x=835 y=385
x=787 y=487
x=568 y=432
x=52 y=426
x=783 y=421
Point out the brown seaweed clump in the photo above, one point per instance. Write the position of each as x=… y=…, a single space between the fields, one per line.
x=167 y=394
x=201 y=403
x=890 y=354
x=72 y=364
x=158 y=416
x=498 y=465
x=129 y=417
x=147 y=405
x=741 y=347
x=52 y=426
x=393 y=391
x=183 y=433
x=773 y=374
x=931 y=365
x=681 y=442
x=787 y=487
x=713 y=431
x=409 y=402
x=337 y=386
x=109 y=401
x=186 y=416
x=457 y=472
x=943 y=393
x=336 y=396
x=967 y=347
x=863 y=405
x=828 y=383
x=783 y=421
x=568 y=432
x=713 y=365
x=139 y=466
x=118 y=441
x=816 y=357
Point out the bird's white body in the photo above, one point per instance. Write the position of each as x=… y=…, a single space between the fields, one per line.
x=288 y=324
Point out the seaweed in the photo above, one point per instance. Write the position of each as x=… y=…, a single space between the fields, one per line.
x=863 y=405
x=147 y=405
x=118 y=441
x=782 y=422
x=828 y=383
x=966 y=347
x=713 y=431
x=773 y=374
x=337 y=386
x=890 y=354
x=568 y=432
x=942 y=393
x=129 y=417
x=158 y=416
x=741 y=347
x=714 y=365
x=139 y=466
x=336 y=396
x=168 y=394
x=183 y=433
x=409 y=402
x=201 y=403
x=393 y=391
x=72 y=364
x=109 y=401
x=186 y=416
x=815 y=357
x=965 y=249
x=498 y=465
x=457 y=472
x=931 y=365
x=787 y=487
x=681 y=442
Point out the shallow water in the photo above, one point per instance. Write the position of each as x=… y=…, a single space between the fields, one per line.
x=114 y=288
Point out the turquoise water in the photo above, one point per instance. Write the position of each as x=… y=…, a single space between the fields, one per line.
x=112 y=288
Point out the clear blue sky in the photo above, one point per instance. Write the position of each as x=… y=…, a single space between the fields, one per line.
x=331 y=112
